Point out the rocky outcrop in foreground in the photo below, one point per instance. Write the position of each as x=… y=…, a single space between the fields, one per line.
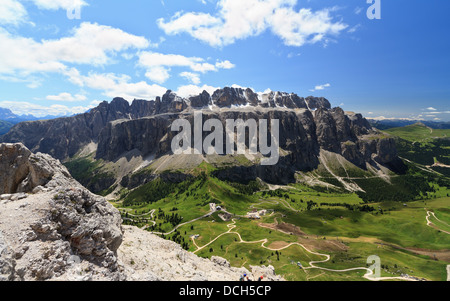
x=52 y=228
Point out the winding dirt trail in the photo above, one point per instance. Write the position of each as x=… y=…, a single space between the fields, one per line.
x=431 y=224
x=368 y=275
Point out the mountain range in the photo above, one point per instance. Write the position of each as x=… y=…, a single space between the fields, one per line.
x=140 y=133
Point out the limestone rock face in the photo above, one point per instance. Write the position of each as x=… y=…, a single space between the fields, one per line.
x=200 y=101
x=62 y=138
x=228 y=97
x=7 y=262
x=307 y=125
x=317 y=103
x=149 y=258
x=47 y=219
x=22 y=171
x=386 y=151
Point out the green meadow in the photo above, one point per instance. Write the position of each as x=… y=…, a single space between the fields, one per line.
x=389 y=229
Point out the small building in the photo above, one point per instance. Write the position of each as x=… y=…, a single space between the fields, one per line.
x=225 y=216
x=262 y=212
x=253 y=215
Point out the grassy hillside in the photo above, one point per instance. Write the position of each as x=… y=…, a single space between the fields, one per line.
x=425 y=146
x=301 y=224
x=418 y=133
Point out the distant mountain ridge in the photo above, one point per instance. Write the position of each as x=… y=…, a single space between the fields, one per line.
x=395 y=123
x=8 y=119
x=9 y=116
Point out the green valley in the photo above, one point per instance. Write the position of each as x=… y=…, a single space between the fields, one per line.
x=305 y=232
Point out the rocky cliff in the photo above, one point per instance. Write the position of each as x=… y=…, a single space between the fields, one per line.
x=307 y=125
x=64 y=137
x=51 y=228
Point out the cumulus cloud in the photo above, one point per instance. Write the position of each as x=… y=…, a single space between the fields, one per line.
x=158 y=65
x=12 y=12
x=192 y=77
x=67 y=97
x=225 y=65
x=58 y=4
x=320 y=87
x=114 y=85
x=158 y=74
x=89 y=43
x=236 y=20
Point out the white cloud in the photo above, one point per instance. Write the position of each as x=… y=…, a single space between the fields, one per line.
x=431 y=109
x=24 y=108
x=12 y=12
x=192 y=77
x=304 y=26
x=67 y=97
x=320 y=87
x=158 y=64
x=114 y=85
x=158 y=74
x=90 y=43
x=225 y=65
x=59 y=4
x=154 y=59
x=238 y=19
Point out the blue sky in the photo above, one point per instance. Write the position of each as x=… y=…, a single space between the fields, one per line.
x=398 y=66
